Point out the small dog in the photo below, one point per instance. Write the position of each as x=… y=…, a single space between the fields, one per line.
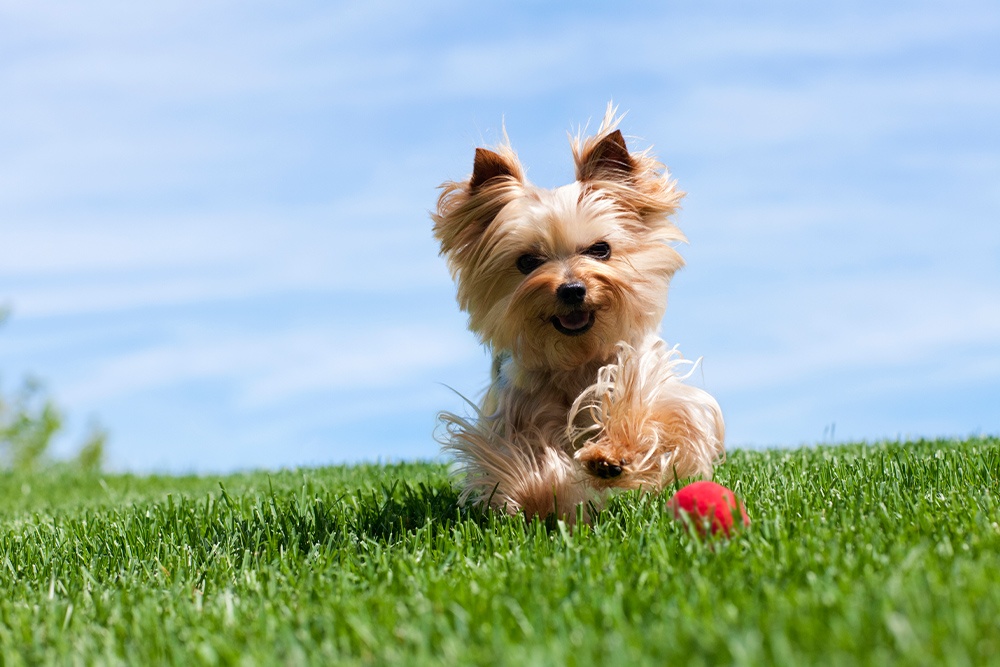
x=567 y=288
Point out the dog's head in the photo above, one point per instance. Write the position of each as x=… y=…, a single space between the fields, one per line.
x=558 y=277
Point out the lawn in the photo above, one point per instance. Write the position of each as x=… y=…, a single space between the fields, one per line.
x=858 y=554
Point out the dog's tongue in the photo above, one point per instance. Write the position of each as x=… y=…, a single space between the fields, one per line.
x=575 y=320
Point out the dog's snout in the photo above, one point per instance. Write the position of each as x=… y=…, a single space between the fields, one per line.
x=572 y=294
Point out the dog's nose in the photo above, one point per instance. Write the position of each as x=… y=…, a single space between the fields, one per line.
x=572 y=294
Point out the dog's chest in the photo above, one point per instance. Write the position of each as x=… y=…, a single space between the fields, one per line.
x=539 y=412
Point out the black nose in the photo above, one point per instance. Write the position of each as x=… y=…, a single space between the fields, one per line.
x=572 y=294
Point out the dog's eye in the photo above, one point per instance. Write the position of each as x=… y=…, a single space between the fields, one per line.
x=528 y=263
x=599 y=250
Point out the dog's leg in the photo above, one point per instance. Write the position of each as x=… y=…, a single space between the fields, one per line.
x=647 y=428
x=513 y=475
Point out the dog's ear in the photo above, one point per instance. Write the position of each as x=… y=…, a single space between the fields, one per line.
x=637 y=181
x=605 y=158
x=488 y=165
x=466 y=208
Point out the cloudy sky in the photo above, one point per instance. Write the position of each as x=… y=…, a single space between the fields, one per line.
x=214 y=233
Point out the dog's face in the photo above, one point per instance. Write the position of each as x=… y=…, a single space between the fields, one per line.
x=558 y=277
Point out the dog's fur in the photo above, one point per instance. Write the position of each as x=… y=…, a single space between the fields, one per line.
x=567 y=287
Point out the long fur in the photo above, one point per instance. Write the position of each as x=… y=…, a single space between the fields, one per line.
x=568 y=417
x=640 y=407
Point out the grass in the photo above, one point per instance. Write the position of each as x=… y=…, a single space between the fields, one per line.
x=884 y=554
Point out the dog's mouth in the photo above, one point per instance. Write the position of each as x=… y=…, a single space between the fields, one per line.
x=574 y=323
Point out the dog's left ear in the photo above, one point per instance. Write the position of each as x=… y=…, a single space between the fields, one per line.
x=605 y=158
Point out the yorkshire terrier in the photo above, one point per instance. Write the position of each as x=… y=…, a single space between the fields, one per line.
x=567 y=288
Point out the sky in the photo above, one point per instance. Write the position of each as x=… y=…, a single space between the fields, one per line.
x=214 y=231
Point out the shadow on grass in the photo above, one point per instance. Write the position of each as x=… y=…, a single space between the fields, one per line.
x=385 y=514
x=390 y=512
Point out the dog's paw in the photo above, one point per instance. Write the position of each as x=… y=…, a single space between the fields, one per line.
x=603 y=462
x=605 y=469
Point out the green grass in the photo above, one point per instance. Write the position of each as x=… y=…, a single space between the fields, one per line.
x=885 y=554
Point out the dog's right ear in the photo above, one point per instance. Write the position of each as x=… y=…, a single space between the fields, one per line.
x=489 y=165
x=466 y=208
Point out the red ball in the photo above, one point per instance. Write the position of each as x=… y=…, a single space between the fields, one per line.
x=710 y=505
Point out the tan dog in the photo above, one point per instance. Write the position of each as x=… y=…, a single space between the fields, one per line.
x=567 y=287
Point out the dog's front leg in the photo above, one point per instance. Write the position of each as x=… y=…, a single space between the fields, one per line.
x=642 y=426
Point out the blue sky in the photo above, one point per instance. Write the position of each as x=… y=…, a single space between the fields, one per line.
x=214 y=232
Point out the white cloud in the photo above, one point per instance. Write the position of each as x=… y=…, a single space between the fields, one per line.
x=162 y=161
x=827 y=32
x=873 y=325
x=269 y=368
x=837 y=112
x=360 y=245
x=126 y=292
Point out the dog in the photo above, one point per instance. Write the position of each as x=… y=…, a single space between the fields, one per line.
x=567 y=288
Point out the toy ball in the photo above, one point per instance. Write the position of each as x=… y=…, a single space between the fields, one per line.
x=709 y=507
